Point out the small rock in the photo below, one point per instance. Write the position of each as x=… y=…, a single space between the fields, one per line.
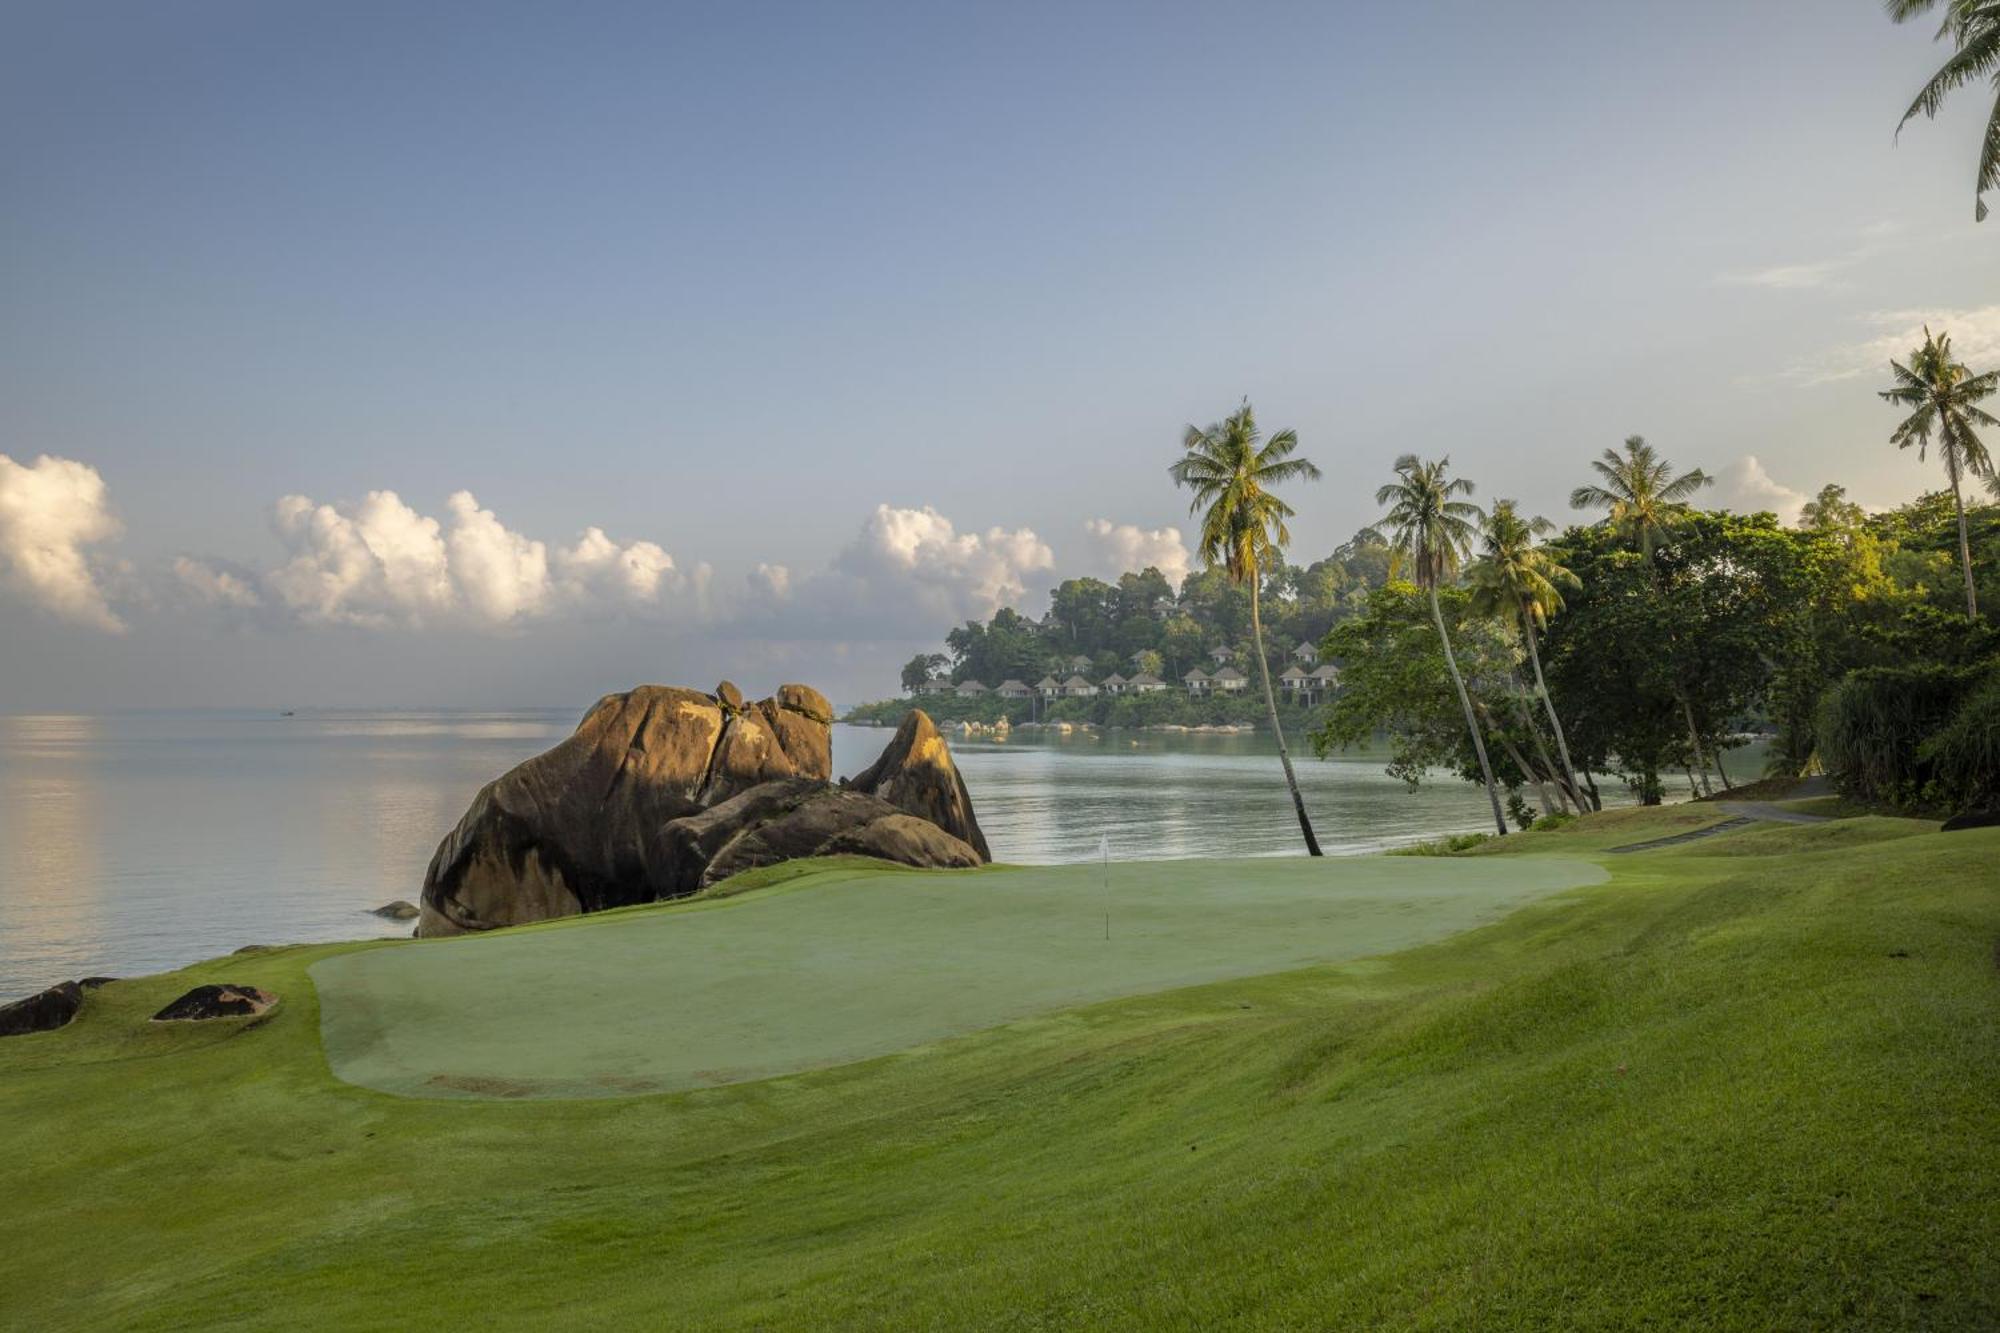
x=92 y=983
x=729 y=696
x=397 y=911
x=224 y=1001
x=42 y=1012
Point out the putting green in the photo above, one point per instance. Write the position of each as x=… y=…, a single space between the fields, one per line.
x=843 y=965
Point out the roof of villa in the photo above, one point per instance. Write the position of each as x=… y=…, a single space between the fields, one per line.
x=1114 y=679
x=1229 y=673
x=1046 y=681
x=1327 y=672
x=971 y=685
x=1078 y=683
x=1011 y=684
x=1195 y=673
x=1293 y=673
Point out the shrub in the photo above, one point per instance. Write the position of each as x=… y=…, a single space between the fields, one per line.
x=1874 y=724
x=1963 y=757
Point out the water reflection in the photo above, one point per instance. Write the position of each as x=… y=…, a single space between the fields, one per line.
x=51 y=910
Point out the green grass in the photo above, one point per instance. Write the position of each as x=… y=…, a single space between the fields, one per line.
x=829 y=967
x=1749 y=1089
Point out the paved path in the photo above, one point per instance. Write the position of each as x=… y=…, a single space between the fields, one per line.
x=1742 y=814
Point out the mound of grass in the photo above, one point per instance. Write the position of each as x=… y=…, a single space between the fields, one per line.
x=1749 y=1091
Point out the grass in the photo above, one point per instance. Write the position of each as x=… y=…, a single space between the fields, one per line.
x=1748 y=1088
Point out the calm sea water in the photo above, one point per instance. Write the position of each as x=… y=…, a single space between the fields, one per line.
x=135 y=842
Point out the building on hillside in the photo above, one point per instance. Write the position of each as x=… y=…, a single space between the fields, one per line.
x=1196 y=680
x=1307 y=654
x=1049 y=688
x=1145 y=683
x=1079 y=663
x=1324 y=680
x=1221 y=656
x=1229 y=680
x=1076 y=687
x=1014 y=689
x=970 y=689
x=1113 y=684
x=934 y=685
x=1294 y=683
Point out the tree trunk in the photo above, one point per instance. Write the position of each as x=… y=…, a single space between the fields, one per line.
x=1723 y=773
x=1694 y=739
x=1965 y=552
x=1528 y=770
x=1271 y=708
x=1554 y=778
x=1549 y=706
x=1465 y=702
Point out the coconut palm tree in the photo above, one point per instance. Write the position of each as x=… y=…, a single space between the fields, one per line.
x=1233 y=472
x=1944 y=399
x=1644 y=502
x=1973 y=26
x=1434 y=529
x=1520 y=581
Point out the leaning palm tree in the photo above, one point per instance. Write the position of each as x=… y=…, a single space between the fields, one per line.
x=1520 y=581
x=1644 y=502
x=1973 y=27
x=1233 y=471
x=1434 y=529
x=1944 y=399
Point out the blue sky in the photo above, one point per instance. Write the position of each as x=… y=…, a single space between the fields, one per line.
x=758 y=286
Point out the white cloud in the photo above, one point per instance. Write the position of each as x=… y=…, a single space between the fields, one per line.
x=50 y=510
x=1116 y=548
x=1787 y=277
x=918 y=554
x=380 y=563
x=1747 y=488
x=1893 y=334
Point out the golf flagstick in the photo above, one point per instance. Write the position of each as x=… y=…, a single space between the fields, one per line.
x=1104 y=856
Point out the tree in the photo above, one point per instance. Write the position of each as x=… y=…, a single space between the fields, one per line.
x=1434 y=528
x=1831 y=511
x=1522 y=582
x=917 y=672
x=1233 y=480
x=1944 y=399
x=1644 y=502
x=1973 y=26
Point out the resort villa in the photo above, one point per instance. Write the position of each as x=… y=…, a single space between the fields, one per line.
x=1306 y=683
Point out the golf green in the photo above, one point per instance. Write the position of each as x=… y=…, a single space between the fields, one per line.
x=843 y=965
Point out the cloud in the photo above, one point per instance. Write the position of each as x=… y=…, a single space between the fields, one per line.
x=1747 y=488
x=380 y=564
x=1892 y=334
x=1788 y=277
x=903 y=575
x=1116 y=548
x=50 y=510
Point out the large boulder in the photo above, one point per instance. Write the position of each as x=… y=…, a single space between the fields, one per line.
x=663 y=791
x=224 y=1001
x=43 y=1011
x=915 y=774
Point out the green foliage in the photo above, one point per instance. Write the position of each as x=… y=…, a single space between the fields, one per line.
x=1885 y=733
x=1973 y=28
x=1963 y=756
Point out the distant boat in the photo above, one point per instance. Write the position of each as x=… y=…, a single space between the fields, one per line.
x=287 y=713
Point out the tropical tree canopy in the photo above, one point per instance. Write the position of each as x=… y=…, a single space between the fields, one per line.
x=1943 y=396
x=1642 y=498
x=1973 y=28
x=1431 y=525
x=1513 y=576
x=1232 y=471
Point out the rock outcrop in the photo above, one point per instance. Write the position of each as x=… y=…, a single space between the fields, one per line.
x=915 y=774
x=395 y=911
x=43 y=1011
x=663 y=791
x=224 y=1001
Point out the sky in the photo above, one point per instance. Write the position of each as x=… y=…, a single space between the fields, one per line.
x=494 y=355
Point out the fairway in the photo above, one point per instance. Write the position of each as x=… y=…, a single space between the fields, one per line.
x=843 y=965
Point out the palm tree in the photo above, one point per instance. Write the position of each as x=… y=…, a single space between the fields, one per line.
x=1974 y=27
x=1434 y=529
x=1944 y=397
x=1644 y=502
x=1233 y=477
x=1521 y=581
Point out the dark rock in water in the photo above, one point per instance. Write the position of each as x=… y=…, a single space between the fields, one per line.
x=915 y=774
x=92 y=983
x=396 y=911
x=1971 y=819
x=663 y=791
x=224 y=1001
x=44 y=1011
